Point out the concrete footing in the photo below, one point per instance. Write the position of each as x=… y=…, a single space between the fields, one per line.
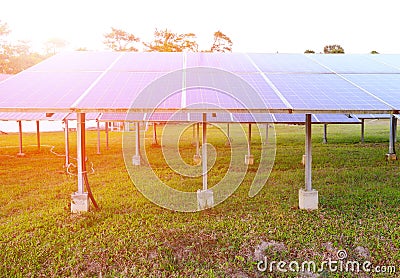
x=303 y=159
x=79 y=202
x=249 y=159
x=308 y=199
x=197 y=159
x=391 y=157
x=136 y=160
x=205 y=199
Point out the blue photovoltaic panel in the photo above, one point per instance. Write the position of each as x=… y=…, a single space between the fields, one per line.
x=252 y=118
x=353 y=63
x=232 y=62
x=388 y=59
x=336 y=118
x=77 y=61
x=167 y=117
x=88 y=116
x=120 y=89
x=210 y=99
x=286 y=63
x=121 y=117
x=45 y=90
x=268 y=97
x=372 y=116
x=323 y=92
x=291 y=118
x=4 y=76
x=25 y=116
x=222 y=117
x=384 y=86
x=149 y=62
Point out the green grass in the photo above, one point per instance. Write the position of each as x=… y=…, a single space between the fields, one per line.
x=130 y=236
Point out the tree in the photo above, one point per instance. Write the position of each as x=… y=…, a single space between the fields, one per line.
x=222 y=43
x=333 y=49
x=53 y=45
x=167 y=41
x=308 y=51
x=374 y=52
x=120 y=40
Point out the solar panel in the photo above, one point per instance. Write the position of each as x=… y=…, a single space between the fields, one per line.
x=212 y=117
x=120 y=89
x=44 y=90
x=167 y=117
x=4 y=76
x=88 y=116
x=384 y=86
x=232 y=62
x=22 y=116
x=77 y=61
x=149 y=62
x=327 y=92
x=353 y=63
x=372 y=116
x=388 y=59
x=336 y=118
x=252 y=118
x=286 y=63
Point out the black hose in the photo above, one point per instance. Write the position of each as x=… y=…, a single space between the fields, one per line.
x=90 y=191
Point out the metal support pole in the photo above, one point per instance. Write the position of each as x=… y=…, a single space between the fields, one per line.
x=325 y=138
x=98 y=136
x=362 y=130
x=137 y=150
x=106 y=129
x=204 y=152
x=249 y=142
x=198 y=139
x=228 y=131
x=308 y=159
x=155 y=142
x=20 y=139
x=266 y=133
x=392 y=138
x=38 y=135
x=81 y=151
x=66 y=138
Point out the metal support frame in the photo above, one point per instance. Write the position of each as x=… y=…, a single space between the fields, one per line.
x=155 y=142
x=20 y=153
x=98 y=136
x=308 y=159
x=266 y=133
x=38 y=135
x=228 y=131
x=362 y=130
x=204 y=152
x=325 y=137
x=106 y=130
x=198 y=139
x=392 y=138
x=249 y=141
x=66 y=138
x=81 y=151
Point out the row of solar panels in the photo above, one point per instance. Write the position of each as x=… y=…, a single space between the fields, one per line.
x=280 y=83
x=195 y=117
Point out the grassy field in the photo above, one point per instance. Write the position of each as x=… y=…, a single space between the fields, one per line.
x=359 y=199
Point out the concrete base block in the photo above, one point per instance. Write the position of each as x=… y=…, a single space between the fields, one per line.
x=303 y=159
x=391 y=157
x=308 y=199
x=197 y=159
x=205 y=199
x=20 y=155
x=249 y=159
x=136 y=160
x=79 y=202
x=227 y=143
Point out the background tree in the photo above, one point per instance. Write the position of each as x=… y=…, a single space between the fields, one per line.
x=120 y=40
x=374 y=52
x=167 y=41
x=333 y=49
x=309 y=51
x=53 y=45
x=222 y=43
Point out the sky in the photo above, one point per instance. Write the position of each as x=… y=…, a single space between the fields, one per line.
x=270 y=26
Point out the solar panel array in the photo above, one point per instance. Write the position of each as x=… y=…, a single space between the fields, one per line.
x=237 y=82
